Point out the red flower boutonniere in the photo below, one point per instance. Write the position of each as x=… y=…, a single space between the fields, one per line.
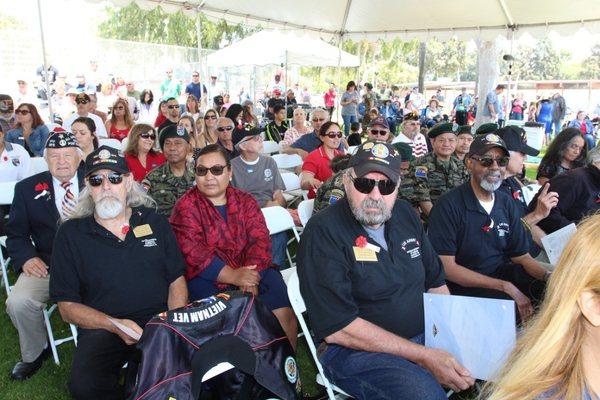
x=361 y=242
x=516 y=195
x=486 y=228
x=41 y=187
x=5 y=158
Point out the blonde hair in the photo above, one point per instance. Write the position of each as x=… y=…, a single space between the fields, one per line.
x=127 y=117
x=134 y=137
x=548 y=357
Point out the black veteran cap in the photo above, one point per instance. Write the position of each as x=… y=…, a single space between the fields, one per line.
x=172 y=131
x=376 y=157
x=486 y=128
x=379 y=120
x=405 y=151
x=443 y=127
x=483 y=143
x=242 y=132
x=515 y=139
x=105 y=157
x=464 y=130
x=59 y=138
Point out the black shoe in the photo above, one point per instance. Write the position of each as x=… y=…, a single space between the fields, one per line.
x=23 y=370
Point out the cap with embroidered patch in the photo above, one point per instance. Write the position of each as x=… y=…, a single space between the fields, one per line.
x=515 y=139
x=105 y=157
x=376 y=157
x=379 y=120
x=172 y=131
x=482 y=143
x=441 y=128
x=240 y=132
x=59 y=138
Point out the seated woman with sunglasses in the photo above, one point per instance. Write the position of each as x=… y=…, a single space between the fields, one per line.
x=29 y=131
x=225 y=241
x=120 y=122
x=140 y=154
x=207 y=130
x=316 y=168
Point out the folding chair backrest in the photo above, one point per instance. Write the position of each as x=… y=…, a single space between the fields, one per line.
x=124 y=143
x=7 y=192
x=287 y=161
x=352 y=149
x=114 y=143
x=270 y=147
x=278 y=219
x=291 y=181
x=38 y=164
x=305 y=210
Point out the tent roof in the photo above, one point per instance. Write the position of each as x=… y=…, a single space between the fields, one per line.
x=371 y=19
x=275 y=46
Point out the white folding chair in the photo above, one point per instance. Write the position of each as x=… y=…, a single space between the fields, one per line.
x=7 y=192
x=287 y=161
x=38 y=164
x=124 y=143
x=114 y=143
x=270 y=147
x=292 y=186
x=352 y=149
x=278 y=220
x=305 y=210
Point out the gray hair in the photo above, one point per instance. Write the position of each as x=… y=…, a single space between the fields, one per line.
x=593 y=155
x=318 y=110
x=136 y=197
x=225 y=119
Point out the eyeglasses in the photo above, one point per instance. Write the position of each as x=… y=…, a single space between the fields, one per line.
x=225 y=128
x=216 y=170
x=210 y=117
x=487 y=161
x=172 y=107
x=148 y=135
x=81 y=101
x=96 y=180
x=121 y=108
x=366 y=185
x=379 y=132
x=22 y=112
x=333 y=135
x=195 y=76
x=318 y=119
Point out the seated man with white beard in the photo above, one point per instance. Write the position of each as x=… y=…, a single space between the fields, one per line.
x=114 y=260
x=478 y=233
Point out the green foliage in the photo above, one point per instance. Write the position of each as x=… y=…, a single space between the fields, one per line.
x=10 y=22
x=448 y=60
x=540 y=62
x=590 y=67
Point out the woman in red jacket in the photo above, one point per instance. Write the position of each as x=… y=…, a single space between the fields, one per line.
x=140 y=153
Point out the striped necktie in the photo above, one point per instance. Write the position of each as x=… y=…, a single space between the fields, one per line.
x=68 y=202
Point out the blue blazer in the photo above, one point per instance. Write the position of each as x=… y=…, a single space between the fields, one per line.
x=33 y=219
x=37 y=139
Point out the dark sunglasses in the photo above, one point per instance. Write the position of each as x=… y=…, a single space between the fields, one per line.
x=148 y=135
x=333 y=135
x=172 y=107
x=225 y=128
x=96 y=180
x=210 y=117
x=318 y=119
x=216 y=170
x=119 y=108
x=487 y=161
x=195 y=76
x=366 y=185
x=379 y=132
x=81 y=101
x=22 y=112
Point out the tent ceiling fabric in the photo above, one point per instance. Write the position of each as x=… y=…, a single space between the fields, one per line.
x=298 y=49
x=408 y=19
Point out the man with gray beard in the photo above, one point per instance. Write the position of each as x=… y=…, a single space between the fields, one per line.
x=364 y=264
x=480 y=236
x=116 y=264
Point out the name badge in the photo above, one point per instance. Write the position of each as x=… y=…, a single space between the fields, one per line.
x=364 y=254
x=142 y=230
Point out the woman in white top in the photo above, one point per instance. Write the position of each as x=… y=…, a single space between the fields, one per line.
x=14 y=161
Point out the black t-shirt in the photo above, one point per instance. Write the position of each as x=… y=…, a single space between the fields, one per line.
x=162 y=126
x=338 y=289
x=124 y=279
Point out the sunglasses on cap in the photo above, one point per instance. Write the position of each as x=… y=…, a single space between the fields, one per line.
x=487 y=161
x=148 y=135
x=22 y=112
x=172 y=107
x=216 y=170
x=333 y=135
x=114 y=177
x=210 y=117
x=378 y=132
x=225 y=128
x=366 y=185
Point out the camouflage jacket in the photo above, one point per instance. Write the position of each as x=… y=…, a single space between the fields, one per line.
x=166 y=188
x=330 y=191
x=428 y=178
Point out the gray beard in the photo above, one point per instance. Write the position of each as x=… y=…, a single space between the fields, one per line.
x=109 y=208
x=488 y=186
x=371 y=219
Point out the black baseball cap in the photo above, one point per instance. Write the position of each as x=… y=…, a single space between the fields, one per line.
x=105 y=157
x=59 y=139
x=376 y=157
x=515 y=139
x=379 y=120
x=242 y=132
x=483 y=143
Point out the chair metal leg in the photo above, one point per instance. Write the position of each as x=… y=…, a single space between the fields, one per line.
x=51 y=342
x=74 y=333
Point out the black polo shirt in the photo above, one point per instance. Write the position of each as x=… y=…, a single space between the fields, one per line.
x=123 y=278
x=460 y=227
x=338 y=289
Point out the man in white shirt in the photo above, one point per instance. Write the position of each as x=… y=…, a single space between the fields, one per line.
x=82 y=101
x=14 y=161
x=410 y=134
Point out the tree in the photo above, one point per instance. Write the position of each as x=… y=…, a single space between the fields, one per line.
x=540 y=62
x=590 y=67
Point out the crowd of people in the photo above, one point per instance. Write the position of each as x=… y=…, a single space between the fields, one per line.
x=422 y=202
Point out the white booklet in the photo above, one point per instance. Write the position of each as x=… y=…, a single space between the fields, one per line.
x=480 y=333
x=530 y=191
x=130 y=332
x=555 y=242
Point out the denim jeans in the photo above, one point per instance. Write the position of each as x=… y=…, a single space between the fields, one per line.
x=279 y=245
x=590 y=140
x=557 y=125
x=348 y=119
x=366 y=375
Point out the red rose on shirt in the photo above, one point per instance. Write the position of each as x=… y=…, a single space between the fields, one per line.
x=361 y=241
x=41 y=186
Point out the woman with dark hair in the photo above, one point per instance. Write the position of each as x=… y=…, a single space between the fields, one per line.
x=147 y=110
x=349 y=102
x=120 y=122
x=29 y=131
x=162 y=113
x=235 y=113
x=84 y=129
x=140 y=154
x=192 y=107
x=225 y=241
x=567 y=151
x=316 y=168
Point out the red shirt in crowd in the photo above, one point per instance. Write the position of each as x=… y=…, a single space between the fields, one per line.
x=329 y=98
x=118 y=134
x=139 y=172
x=317 y=162
x=160 y=118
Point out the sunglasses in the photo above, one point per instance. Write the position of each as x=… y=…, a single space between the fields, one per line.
x=81 y=101
x=379 y=132
x=22 y=112
x=366 y=185
x=225 y=128
x=172 y=107
x=147 y=135
x=318 y=119
x=216 y=170
x=121 y=108
x=96 y=180
x=210 y=117
x=333 y=135
x=195 y=76
x=488 y=161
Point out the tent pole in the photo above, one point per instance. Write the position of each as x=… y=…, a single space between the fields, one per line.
x=339 y=77
x=199 y=39
x=286 y=83
x=507 y=106
x=45 y=68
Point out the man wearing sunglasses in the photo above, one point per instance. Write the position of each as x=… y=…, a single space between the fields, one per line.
x=478 y=232
x=172 y=115
x=83 y=104
x=379 y=129
x=39 y=204
x=225 y=129
x=410 y=133
x=116 y=263
x=364 y=263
